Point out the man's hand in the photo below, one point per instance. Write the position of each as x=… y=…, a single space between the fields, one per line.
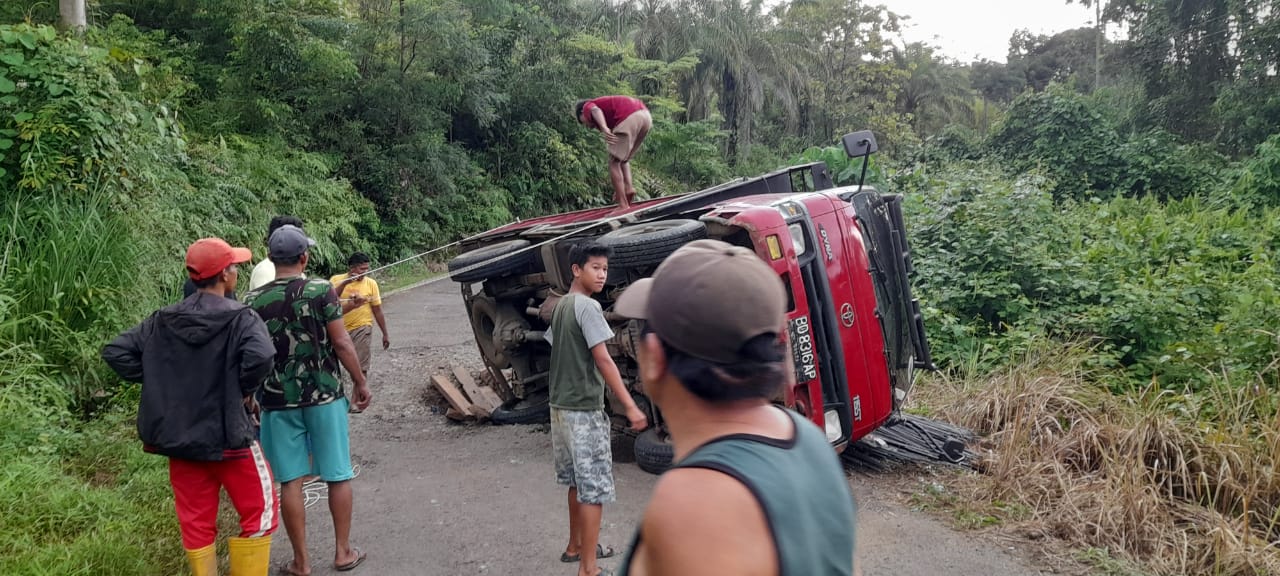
x=358 y=300
x=386 y=342
x=610 y=137
x=251 y=406
x=363 y=396
x=638 y=420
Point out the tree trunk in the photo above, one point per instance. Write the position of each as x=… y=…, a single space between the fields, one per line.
x=72 y=15
x=729 y=107
x=1100 y=36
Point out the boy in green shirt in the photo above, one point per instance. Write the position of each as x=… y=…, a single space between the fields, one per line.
x=580 y=368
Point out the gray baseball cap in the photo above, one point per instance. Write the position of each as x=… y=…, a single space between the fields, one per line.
x=708 y=299
x=288 y=241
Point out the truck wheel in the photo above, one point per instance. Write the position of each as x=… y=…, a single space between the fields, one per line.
x=653 y=451
x=495 y=263
x=650 y=242
x=532 y=410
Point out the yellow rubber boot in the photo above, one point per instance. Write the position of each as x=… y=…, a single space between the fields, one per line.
x=250 y=556
x=204 y=561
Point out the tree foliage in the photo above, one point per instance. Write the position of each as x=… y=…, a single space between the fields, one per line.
x=1129 y=199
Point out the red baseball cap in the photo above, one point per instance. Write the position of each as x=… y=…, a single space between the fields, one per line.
x=209 y=256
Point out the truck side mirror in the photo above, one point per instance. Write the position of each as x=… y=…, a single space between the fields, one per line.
x=860 y=144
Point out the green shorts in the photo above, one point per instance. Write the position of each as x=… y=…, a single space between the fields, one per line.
x=295 y=438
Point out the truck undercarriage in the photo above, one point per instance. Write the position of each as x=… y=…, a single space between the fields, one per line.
x=855 y=330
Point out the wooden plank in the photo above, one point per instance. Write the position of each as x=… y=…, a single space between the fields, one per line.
x=480 y=395
x=479 y=412
x=455 y=415
x=451 y=393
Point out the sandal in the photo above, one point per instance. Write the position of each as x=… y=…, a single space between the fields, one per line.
x=601 y=553
x=360 y=556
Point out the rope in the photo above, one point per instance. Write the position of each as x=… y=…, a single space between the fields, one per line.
x=588 y=226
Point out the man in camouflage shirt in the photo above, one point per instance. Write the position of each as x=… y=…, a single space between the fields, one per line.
x=303 y=398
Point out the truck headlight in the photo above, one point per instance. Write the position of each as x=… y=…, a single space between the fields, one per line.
x=832 y=420
x=797 y=237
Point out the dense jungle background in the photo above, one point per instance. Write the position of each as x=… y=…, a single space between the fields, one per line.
x=1095 y=222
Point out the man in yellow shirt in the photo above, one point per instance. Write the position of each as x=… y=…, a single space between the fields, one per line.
x=361 y=305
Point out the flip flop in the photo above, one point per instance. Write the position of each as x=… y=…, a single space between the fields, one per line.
x=360 y=556
x=601 y=554
x=286 y=569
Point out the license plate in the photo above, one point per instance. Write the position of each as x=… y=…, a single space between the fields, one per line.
x=801 y=337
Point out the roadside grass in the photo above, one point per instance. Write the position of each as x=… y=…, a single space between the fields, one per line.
x=1171 y=483
x=95 y=505
x=77 y=494
x=1105 y=564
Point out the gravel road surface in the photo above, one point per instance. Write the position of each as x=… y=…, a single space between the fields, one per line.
x=437 y=498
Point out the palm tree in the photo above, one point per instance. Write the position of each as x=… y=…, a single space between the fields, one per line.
x=935 y=92
x=743 y=62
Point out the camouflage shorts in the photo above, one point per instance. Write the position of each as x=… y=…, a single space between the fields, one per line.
x=584 y=457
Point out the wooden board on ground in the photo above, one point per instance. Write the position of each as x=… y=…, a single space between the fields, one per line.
x=480 y=396
x=451 y=393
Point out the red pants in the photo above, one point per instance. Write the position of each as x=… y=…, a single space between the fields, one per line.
x=247 y=478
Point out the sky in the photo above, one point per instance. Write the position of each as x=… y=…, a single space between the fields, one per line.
x=974 y=29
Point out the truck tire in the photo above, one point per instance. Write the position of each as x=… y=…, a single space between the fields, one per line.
x=653 y=451
x=499 y=266
x=650 y=242
x=534 y=410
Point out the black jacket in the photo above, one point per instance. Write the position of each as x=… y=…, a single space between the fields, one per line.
x=196 y=360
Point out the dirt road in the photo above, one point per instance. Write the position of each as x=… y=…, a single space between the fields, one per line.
x=435 y=498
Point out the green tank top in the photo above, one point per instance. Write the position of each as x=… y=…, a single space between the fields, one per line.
x=802 y=488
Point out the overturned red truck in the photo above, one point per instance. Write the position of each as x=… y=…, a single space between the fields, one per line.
x=855 y=330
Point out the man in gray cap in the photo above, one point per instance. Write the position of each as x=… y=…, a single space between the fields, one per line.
x=303 y=398
x=756 y=489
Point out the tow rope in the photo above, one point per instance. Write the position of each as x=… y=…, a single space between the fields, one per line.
x=477 y=265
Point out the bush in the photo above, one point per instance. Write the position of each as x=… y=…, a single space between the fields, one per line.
x=987 y=244
x=1172 y=290
x=1258 y=180
x=955 y=142
x=1180 y=289
x=1061 y=133
x=1157 y=164
x=686 y=153
x=1067 y=135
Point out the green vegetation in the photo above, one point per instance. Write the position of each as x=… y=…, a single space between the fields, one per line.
x=1123 y=208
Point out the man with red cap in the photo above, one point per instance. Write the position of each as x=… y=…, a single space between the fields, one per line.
x=200 y=362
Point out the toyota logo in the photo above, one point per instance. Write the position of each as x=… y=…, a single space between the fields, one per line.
x=846 y=315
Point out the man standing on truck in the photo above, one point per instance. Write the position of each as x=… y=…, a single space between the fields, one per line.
x=199 y=362
x=580 y=368
x=624 y=121
x=361 y=306
x=756 y=490
x=303 y=403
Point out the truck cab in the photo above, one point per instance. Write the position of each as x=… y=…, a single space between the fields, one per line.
x=854 y=328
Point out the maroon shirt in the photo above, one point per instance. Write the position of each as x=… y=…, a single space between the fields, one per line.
x=615 y=108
